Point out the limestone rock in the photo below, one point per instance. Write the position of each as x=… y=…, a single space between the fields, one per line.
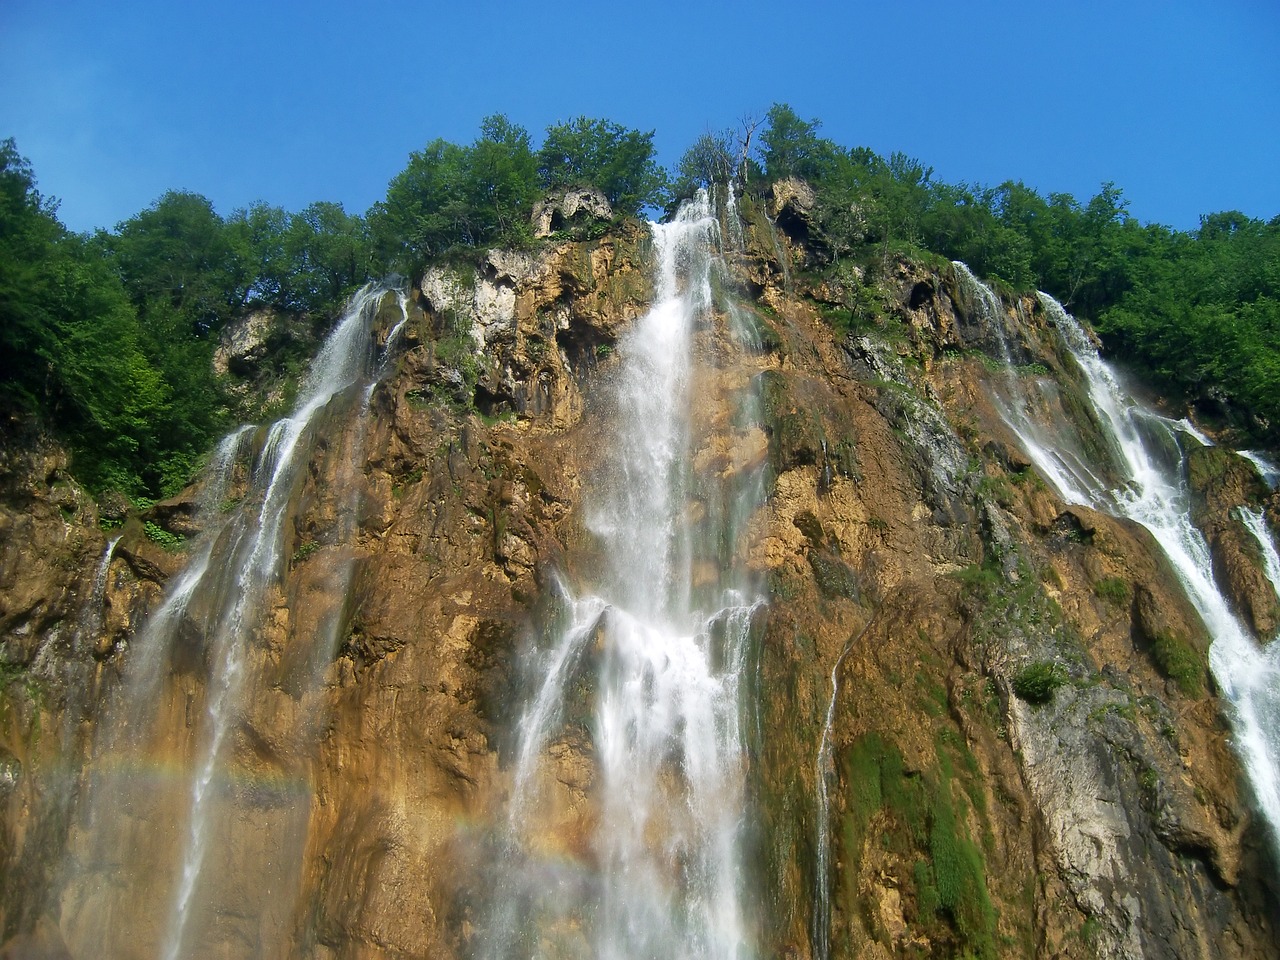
x=1222 y=481
x=573 y=206
x=914 y=563
x=243 y=343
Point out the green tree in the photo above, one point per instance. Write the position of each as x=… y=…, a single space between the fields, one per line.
x=28 y=232
x=74 y=353
x=257 y=238
x=328 y=252
x=791 y=147
x=423 y=214
x=501 y=180
x=450 y=198
x=600 y=153
x=709 y=160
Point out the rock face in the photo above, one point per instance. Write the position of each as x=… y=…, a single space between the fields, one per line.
x=917 y=569
x=575 y=206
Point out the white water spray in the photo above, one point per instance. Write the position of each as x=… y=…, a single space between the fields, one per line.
x=253 y=566
x=1148 y=453
x=649 y=668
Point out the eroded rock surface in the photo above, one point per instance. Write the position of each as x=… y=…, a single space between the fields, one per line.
x=907 y=547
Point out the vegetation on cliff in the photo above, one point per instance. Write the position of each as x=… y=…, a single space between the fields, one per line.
x=107 y=339
x=1197 y=313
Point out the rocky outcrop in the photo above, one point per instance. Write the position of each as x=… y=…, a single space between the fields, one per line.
x=1222 y=481
x=918 y=572
x=570 y=208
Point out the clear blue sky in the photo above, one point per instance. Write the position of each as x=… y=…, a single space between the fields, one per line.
x=1178 y=102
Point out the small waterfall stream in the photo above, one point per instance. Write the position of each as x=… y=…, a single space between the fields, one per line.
x=1147 y=453
x=210 y=620
x=642 y=678
x=1256 y=523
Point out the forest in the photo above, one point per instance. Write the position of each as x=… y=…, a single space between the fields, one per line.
x=106 y=339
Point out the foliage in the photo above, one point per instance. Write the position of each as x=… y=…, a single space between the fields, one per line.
x=165 y=538
x=919 y=820
x=1179 y=662
x=1036 y=682
x=791 y=147
x=605 y=155
x=1197 y=313
x=108 y=340
x=1114 y=590
x=709 y=160
x=450 y=198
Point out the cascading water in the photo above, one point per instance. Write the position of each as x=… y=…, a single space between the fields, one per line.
x=1256 y=523
x=214 y=612
x=643 y=677
x=821 y=931
x=1147 y=454
x=1269 y=472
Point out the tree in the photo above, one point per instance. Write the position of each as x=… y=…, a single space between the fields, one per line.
x=178 y=264
x=450 y=197
x=73 y=353
x=328 y=252
x=600 y=153
x=424 y=211
x=791 y=147
x=501 y=179
x=708 y=161
x=257 y=239
x=28 y=232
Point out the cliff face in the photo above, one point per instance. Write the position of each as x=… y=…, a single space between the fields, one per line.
x=920 y=575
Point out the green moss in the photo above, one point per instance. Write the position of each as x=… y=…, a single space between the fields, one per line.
x=981 y=579
x=961 y=878
x=996 y=489
x=834 y=577
x=1178 y=660
x=919 y=821
x=1114 y=590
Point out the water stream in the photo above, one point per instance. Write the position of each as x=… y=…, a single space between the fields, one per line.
x=210 y=622
x=641 y=680
x=1147 y=458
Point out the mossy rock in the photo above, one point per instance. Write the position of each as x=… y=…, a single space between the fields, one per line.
x=795 y=435
x=834 y=577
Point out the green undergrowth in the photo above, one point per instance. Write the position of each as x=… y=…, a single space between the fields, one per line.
x=1036 y=682
x=1114 y=590
x=164 y=538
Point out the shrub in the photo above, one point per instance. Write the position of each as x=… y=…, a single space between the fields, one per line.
x=1036 y=682
x=165 y=538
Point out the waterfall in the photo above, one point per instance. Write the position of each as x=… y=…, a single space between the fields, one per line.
x=1148 y=457
x=641 y=679
x=826 y=770
x=1256 y=523
x=210 y=623
x=1269 y=472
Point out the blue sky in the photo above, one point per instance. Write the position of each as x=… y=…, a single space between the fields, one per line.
x=1177 y=102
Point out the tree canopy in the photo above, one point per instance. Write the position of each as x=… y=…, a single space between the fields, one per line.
x=603 y=154
x=107 y=339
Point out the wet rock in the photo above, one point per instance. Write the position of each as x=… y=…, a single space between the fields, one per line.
x=1221 y=482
